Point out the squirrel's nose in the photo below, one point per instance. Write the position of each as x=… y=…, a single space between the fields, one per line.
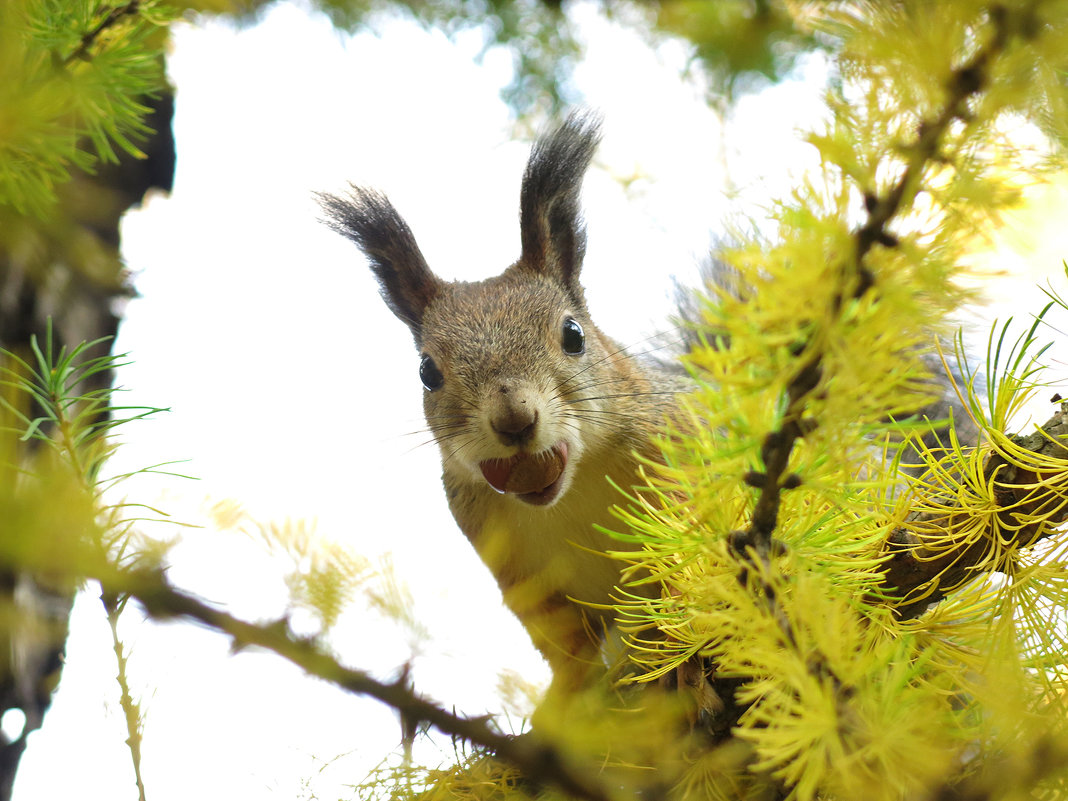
x=514 y=421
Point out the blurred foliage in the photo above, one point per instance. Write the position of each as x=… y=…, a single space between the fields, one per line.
x=73 y=78
x=735 y=45
x=84 y=133
x=540 y=36
x=778 y=661
x=53 y=402
x=76 y=73
x=62 y=521
x=740 y=45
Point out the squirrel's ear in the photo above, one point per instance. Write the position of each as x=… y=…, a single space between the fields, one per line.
x=368 y=218
x=550 y=220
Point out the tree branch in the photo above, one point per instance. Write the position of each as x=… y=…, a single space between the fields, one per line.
x=924 y=565
x=756 y=542
x=90 y=36
x=113 y=606
x=965 y=81
x=539 y=762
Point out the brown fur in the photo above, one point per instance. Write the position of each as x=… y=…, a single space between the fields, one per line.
x=510 y=386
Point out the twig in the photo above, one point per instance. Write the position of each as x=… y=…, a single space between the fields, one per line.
x=114 y=606
x=81 y=52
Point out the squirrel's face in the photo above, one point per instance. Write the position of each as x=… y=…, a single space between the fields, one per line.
x=514 y=384
x=519 y=383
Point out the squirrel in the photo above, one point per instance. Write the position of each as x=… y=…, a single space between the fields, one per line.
x=536 y=411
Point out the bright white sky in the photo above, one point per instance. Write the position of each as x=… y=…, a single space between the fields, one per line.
x=294 y=390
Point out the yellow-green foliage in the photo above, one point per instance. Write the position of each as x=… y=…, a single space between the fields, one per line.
x=324 y=578
x=840 y=698
x=765 y=523
x=820 y=330
x=478 y=776
x=74 y=75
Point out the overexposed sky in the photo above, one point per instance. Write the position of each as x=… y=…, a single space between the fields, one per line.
x=294 y=391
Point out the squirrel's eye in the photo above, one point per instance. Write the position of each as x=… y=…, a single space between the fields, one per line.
x=429 y=374
x=572 y=339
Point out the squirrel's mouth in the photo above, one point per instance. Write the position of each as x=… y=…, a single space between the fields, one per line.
x=534 y=478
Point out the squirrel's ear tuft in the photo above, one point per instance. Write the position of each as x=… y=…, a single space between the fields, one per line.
x=554 y=236
x=367 y=218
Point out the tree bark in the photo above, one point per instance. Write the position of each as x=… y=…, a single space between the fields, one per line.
x=66 y=269
x=1031 y=503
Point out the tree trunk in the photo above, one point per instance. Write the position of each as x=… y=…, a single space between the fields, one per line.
x=66 y=269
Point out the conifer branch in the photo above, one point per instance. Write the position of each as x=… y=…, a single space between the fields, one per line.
x=914 y=567
x=540 y=763
x=924 y=566
x=81 y=52
x=965 y=81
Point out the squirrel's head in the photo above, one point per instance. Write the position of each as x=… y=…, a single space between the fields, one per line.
x=516 y=376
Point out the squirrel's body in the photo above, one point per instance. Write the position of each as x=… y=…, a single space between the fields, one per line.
x=533 y=408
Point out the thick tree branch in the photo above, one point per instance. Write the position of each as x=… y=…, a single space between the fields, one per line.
x=924 y=565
